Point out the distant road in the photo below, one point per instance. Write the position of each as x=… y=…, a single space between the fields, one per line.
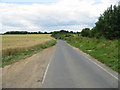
x=68 y=68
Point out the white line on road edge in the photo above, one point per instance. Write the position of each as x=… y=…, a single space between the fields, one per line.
x=46 y=72
x=47 y=68
x=100 y=67
x=103 y=69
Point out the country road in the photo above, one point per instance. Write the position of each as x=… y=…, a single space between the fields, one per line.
x=70 y=68
x=60 y=66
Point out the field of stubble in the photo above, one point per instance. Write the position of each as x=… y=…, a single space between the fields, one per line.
x=15 y=46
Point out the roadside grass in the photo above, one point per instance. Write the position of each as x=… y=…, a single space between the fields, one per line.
x=106 y=51
x=21 y=55
x=18 y=46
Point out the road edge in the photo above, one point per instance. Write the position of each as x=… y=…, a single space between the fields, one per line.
x=47 y=67
x=97 y=62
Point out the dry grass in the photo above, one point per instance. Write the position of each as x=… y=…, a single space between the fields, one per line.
x=16 y=43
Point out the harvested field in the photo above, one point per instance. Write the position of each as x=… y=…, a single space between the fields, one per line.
x=17 y=47
x=16 y=43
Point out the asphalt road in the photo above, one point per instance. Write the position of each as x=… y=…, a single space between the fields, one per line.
x=68 y=68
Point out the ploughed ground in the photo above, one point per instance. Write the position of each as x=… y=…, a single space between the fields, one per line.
x=27 y=73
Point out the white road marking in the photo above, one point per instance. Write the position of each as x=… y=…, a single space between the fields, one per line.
x=47 y=68
x=46 y=72
x=87 y=58
x=99 y=66
x=103 y=69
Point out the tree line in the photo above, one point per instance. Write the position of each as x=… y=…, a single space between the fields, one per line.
x=25 y=32
x=107 y=26
x=62 y=34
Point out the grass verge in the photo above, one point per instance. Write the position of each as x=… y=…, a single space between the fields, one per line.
x=106 y=51
x=21 y=55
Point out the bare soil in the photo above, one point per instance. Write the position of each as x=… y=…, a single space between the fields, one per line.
x=27 y=73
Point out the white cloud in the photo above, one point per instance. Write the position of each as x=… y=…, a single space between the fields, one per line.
x=65 y=14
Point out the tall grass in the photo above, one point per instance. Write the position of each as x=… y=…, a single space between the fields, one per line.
x=17 y=56
x=106 y=51
x=16 y=47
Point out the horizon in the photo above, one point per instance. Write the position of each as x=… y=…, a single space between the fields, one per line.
x=51 y=15
x=39 y=31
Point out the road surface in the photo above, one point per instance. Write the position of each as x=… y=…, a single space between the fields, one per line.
x=28 y=72
x=68 y=68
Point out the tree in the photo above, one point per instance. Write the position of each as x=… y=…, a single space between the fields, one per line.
x=108 y=24
x=16 y=32
x=85 y=32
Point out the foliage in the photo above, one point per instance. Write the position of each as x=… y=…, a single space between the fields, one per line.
x=62 y=34
x=85 y=32
x=108 y=24
x=105 y=51
x=25 y=32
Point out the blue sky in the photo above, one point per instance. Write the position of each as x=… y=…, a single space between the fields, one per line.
x=50 y=15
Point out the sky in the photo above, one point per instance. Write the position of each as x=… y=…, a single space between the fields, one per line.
x=50 y=15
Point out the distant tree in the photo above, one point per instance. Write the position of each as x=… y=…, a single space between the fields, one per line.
x=39 y=32
x=45 y=33
x=85 y=32
x=62 y=34
x=16 y=32
x=33 y=33
x=71 y=32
